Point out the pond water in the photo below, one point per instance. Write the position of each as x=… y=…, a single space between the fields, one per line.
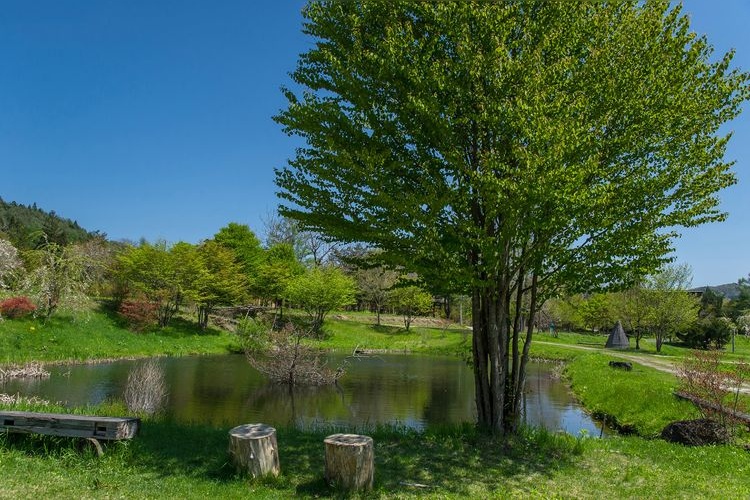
x=407 y=390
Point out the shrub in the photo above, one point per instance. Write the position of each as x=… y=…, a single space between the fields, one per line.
x=16 y=307
x=284 y=359
x=146 y=390
x=708 y=333
x=139 y=314
x=714 y=387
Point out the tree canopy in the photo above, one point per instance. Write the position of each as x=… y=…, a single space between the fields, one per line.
x=320 y=290
x=527 y=146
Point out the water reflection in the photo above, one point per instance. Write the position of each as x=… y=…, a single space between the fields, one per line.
x=414 y=391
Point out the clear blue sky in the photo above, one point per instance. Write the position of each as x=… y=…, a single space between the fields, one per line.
x=153 y=118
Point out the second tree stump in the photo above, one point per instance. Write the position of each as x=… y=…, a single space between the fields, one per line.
x=349 y=461
x=253 y=449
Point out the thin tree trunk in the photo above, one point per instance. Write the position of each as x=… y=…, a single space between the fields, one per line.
x=480 y=353
x=521 y=380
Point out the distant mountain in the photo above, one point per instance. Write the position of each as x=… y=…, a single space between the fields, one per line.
x=26 y=225
x=729 y=290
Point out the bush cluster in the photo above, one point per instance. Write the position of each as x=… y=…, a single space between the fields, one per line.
x=16 y=307
x=707 y=333
x=139 y=314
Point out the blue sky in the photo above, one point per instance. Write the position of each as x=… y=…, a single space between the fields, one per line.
x=153 y=118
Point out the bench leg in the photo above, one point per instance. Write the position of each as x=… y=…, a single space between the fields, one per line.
x=97 y=446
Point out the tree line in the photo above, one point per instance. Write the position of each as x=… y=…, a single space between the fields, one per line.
x=659 y=306
x=148 y=283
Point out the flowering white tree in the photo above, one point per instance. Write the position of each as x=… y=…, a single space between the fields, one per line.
x=10 y=263
x=58 y=281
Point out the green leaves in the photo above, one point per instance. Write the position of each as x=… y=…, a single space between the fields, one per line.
x=505 y=146
x=537 y=115
x=320 y=290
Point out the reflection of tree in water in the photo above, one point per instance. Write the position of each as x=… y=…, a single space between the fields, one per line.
x=539 y=401
x=202 y=390
x=299 y=406
x=416 y=391
x=408 y=390
x=448 y=402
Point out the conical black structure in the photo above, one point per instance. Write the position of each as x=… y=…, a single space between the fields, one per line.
x=617 y=339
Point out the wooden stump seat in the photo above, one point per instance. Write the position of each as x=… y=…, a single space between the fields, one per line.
x=349 y=461
x=253 y=449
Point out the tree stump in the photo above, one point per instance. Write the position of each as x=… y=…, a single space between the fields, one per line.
x=349 y=461
x=253 y=449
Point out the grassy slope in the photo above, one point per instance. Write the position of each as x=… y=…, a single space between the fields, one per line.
x=101 y=336
x=349 y=334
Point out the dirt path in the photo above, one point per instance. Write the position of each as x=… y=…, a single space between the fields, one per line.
x=663 y=364
x=666 y=364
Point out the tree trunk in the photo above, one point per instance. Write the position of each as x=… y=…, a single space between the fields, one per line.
x=490 y=353
x=253 y=449
x=447 y=307
x=203 y=312
x=349 y=462
x=520 y=382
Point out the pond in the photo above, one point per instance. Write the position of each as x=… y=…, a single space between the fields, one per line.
x=405 y=390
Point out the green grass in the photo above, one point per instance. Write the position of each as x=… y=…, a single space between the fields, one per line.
x=348 y=334
x=639 y=401
x=99 y=335
x=168 y=460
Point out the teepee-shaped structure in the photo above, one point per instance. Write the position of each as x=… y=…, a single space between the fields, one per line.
x=617 y=339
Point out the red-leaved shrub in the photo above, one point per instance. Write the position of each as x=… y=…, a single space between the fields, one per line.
x=16 y=307
x=139 y=314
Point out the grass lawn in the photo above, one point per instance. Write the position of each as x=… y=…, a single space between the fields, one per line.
x=99 y=335
x=348 y=334
x=178 y=461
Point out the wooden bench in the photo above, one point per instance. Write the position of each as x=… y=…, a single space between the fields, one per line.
x=92 y=428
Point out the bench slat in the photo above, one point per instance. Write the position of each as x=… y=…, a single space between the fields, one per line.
x=60 y=424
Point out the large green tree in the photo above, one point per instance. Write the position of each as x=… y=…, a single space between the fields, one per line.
x=671 y=308
x=529 y=146
x=245 y=245
x=167 y=276
x=632 y=308
x=223 y=283
x=410 y=301
x=320 y=290
x=279 y=265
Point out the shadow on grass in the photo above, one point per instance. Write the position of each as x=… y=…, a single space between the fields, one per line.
x=390 y=330
x=455 y=460
x=178 y=327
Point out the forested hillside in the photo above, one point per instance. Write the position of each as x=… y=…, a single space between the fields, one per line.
x=25 y=226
